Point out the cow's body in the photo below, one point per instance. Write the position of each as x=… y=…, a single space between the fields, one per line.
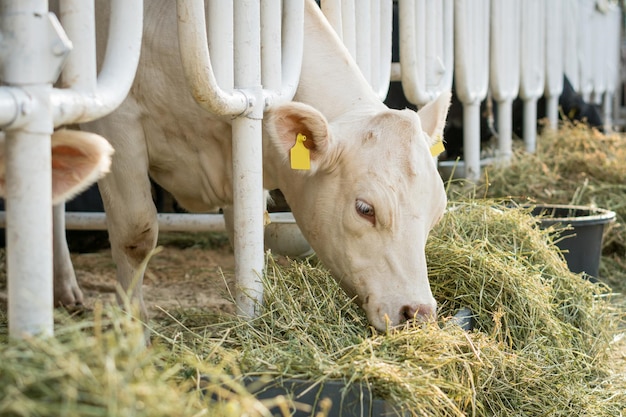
x=366 y=206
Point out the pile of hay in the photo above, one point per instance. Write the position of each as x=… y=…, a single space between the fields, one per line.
x=101 y=367
x=539 y=347
x=86 y=371
x=573 y=165
x=540 y=344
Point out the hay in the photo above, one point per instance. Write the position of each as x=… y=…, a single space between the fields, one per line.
x=539 y=348
x=101 y=367
x=573 y=165
x=79 y=375
x=540 y=345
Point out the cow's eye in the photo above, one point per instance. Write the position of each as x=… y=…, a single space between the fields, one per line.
x=365 y=210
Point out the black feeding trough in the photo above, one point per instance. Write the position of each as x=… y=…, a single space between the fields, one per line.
x=581 y=242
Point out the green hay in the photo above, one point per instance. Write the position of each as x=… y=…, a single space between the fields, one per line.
x=540 y=346
x=76 y=374
x=573 y=165
x=101 y=367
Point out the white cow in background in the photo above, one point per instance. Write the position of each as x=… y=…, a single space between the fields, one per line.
x=366 y=206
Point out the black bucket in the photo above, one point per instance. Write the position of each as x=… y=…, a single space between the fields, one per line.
x=582 y=242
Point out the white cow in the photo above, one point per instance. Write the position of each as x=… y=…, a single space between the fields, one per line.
x=366 y=206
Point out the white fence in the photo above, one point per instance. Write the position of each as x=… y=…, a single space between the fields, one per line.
x=533 y=44
x=247 y=81
x=510 y=47
x=34 y=47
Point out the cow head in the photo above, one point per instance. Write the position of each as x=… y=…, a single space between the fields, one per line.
x=368 y=202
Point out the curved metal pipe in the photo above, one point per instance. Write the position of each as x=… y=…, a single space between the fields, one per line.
x=117 y=73
x=197 y=64
x=292 y=50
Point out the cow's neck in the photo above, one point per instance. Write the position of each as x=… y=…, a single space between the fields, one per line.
x=330 y=81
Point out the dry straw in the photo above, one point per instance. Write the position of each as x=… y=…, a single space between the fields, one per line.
x=573 y=165
x=540 y=344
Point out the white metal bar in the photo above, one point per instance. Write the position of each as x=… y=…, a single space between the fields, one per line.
x=381 y=84
x=117 y=72
x=29 y=63
x=248 y=206
x=571 y=53
x=197 y=63
x=532 y=75
x=553 y=59
x=530 y=124
x=29 y=233
x=613 y=62
x=505 y=130
x=78 y=20
x=599 y=35
x=363 y=28
x=505 y=68
x=220 y=41
x=15 y=104
x=373 y=40
x=585 y=46
x=471 y=140
x=471 y=73
x=426 y=48
x=271 y=61
x=168 y=222
x=292 y=49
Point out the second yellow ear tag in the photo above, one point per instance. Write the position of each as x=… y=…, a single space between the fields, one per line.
x=300 y=154
x=437 y=148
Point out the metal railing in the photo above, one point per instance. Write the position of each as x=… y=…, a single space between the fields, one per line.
x=33 y=49
x=248 y=63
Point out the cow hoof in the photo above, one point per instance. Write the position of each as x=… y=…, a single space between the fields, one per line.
x=76 y=310
x=70 y=299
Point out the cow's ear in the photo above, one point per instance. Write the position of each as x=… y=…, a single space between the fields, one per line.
x=78 y=160
x=433 y=116
x=284 y=123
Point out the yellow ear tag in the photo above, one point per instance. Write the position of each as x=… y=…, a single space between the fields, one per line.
x=300 y=154
x=437 y=148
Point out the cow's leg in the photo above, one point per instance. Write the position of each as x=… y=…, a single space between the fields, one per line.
x=127 y=198
x=66 y=290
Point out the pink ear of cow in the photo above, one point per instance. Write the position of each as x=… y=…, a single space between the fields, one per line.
x=287 y=121
x=433 y=115
x=78 y=160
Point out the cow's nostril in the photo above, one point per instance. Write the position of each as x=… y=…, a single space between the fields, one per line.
x=407 y=313
x=419 y=313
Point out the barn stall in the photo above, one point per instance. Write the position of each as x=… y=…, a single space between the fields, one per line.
x=541 y=342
